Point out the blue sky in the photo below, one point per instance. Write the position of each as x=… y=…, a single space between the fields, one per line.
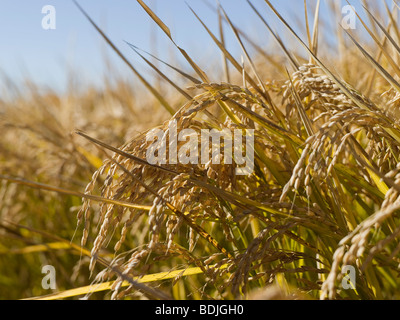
x=45 y=56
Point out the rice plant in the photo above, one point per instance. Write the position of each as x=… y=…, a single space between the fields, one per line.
x=322 y=198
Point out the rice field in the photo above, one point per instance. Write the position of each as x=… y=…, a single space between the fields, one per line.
x=317 y=216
